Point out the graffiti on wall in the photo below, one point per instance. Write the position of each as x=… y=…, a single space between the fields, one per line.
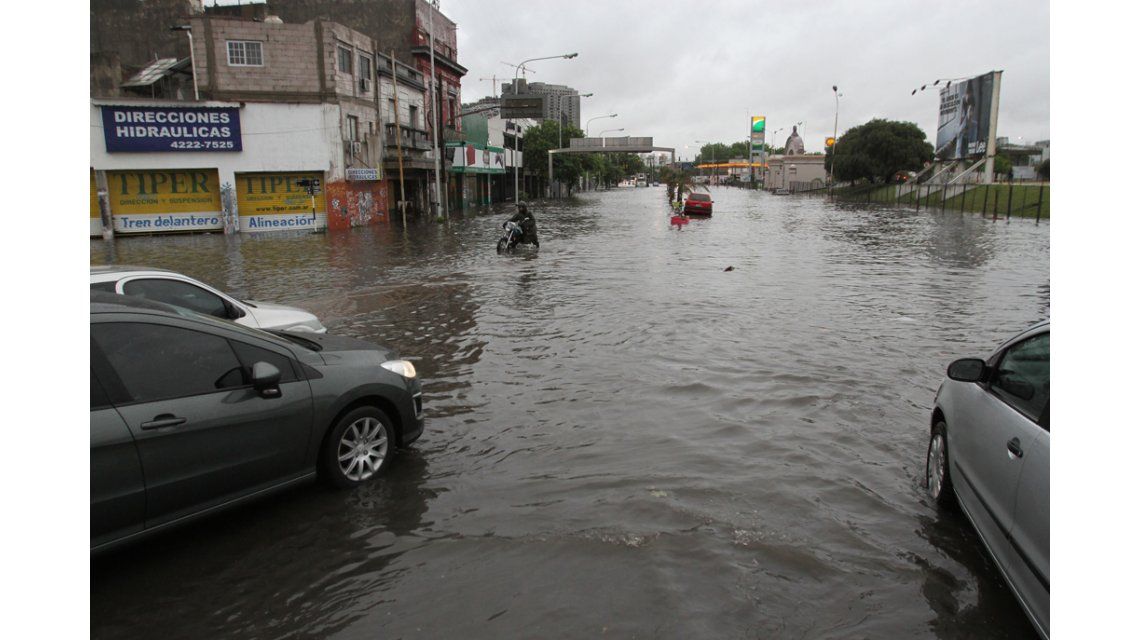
x=356 y=204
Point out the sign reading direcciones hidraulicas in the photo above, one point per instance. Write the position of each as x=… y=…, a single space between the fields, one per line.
x=142 y=129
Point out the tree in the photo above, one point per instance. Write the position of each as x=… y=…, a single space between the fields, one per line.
x=879 y=149
x=1002 y=165
x=538 y=140
x=1043 y=170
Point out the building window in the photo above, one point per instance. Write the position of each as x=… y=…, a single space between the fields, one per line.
x=413 y=117
x=243 y=53
x=392 y=115
x=352 y=127
x=365 y=67
x=344 y=60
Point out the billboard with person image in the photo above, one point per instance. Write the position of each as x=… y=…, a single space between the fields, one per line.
x=967 y=117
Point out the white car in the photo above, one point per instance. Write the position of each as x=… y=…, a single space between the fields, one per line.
x=182 y=291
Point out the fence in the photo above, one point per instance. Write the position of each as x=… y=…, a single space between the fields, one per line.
x=1021 y=200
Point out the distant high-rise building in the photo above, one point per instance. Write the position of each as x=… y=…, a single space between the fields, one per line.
x=559 y=99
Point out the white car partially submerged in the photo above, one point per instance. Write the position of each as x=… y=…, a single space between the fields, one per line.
x=182 y=291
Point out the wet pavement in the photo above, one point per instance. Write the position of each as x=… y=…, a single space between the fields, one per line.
x=623 y=439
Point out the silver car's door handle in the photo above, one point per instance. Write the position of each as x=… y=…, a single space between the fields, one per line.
x=164 y=420
x=1014 y=448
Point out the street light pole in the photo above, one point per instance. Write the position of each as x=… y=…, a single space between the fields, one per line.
x=834 y=140
x=569 y=95
x=193 y=67
x=612 y=115
x=519 y=66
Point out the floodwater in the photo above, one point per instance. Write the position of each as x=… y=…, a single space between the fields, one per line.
x=623 y=438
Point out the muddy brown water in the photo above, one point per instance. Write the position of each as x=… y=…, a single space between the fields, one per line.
x=623 y=439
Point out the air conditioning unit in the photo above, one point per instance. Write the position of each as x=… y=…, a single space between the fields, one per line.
x=364 y=85
x=355 y=148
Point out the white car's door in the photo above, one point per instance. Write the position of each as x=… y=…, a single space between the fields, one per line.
x=188 y=295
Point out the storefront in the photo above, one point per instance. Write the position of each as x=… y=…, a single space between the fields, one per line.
x=204 y=167
x=474 y=165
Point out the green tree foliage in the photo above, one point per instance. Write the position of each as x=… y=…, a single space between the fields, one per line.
x=1002 y=165
x=720 y=152
x=879 y=149
x=537 y=141
x=1043 y=170
x=568 y=167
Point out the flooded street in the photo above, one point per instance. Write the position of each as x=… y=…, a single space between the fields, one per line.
x=623 y=439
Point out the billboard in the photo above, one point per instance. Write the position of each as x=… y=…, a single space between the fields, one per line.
x=967 y=117
x=476 y=158
x=167 y=200
x=523 y=106
x=143 y=129
x=269 y=201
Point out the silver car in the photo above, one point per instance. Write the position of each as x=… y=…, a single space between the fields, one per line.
x=183 y=291
x=989 y=453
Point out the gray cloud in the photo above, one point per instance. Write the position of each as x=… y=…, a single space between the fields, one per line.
x=683 y=71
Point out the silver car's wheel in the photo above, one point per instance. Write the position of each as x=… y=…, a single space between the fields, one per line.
x=938 y=467
x=359 y=447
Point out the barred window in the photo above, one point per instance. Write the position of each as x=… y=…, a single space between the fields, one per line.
x=244 y=53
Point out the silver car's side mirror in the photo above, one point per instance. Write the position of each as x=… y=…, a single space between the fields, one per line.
x=265 y=378
x=967 y=370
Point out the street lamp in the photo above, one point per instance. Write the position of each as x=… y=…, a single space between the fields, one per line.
x=602 y=135
x=193 y=67
x=702 y=156
x=612 y=115
x=834 y=139
x=569 y=95
x=519 y=66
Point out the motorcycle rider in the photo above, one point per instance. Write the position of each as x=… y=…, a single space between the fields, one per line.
x=529 y=228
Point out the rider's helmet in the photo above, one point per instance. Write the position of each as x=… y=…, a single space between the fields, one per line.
x=522 y=208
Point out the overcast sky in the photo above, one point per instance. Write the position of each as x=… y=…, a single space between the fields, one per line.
x=684 y=70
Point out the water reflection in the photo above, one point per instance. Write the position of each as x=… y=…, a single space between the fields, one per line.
x=971 y=595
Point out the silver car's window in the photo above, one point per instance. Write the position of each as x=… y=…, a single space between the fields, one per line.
x=178 y=293
x=1022 y=376
x=156 y=362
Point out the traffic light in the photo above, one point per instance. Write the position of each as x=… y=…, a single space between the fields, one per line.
x=758 y=123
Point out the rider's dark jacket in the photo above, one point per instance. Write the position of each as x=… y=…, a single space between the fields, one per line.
x=530 y=230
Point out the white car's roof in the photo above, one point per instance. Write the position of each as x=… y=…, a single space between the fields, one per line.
x=105 y=272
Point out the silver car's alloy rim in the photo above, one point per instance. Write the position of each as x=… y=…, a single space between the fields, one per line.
x=934 y=465
x=362 y=449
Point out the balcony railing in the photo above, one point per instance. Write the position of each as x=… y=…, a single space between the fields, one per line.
x=410 y=137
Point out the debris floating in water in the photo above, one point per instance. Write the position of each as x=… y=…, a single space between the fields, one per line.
x=729 y=268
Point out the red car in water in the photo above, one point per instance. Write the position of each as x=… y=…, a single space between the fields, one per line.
x=698 y=204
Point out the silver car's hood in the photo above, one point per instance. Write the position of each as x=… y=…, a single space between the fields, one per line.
x=269 y=315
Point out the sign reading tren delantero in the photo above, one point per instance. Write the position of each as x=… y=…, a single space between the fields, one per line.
x=127 y=128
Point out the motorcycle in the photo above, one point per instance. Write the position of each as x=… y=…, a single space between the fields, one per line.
x=512 y=233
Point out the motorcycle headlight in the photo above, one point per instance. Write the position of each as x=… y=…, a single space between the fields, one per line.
x=402 y=367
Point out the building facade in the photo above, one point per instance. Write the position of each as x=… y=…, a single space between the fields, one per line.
x=297 y=101
x=283 y=77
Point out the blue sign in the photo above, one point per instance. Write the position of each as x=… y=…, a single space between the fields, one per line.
x=127 y=128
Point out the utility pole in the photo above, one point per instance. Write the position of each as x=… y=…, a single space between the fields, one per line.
x=437 y=117
x=399 y=141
